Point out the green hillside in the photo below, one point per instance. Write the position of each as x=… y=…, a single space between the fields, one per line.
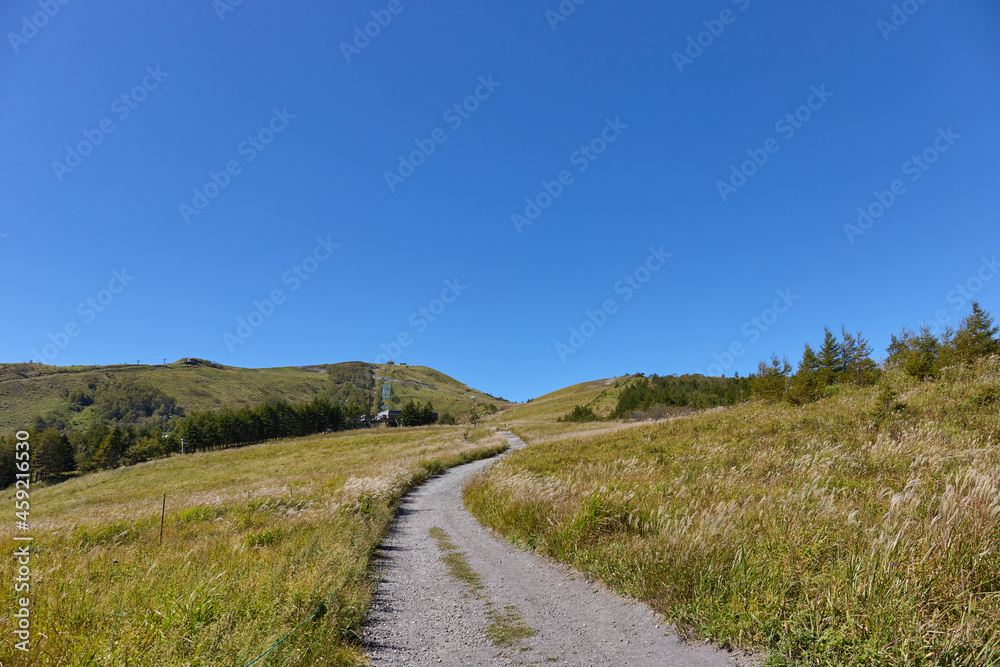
x=67 y=392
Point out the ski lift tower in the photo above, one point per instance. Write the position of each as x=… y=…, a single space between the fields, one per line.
x=386 y=393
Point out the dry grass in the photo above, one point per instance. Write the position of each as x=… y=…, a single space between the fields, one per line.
x=538 y=417
x=255 y=540
x=846 y=532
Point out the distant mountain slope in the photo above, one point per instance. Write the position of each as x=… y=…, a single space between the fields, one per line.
x=599 y=395
x=30 y=390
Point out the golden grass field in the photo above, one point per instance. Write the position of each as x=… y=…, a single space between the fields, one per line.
x=863 y=529
x=255 y=540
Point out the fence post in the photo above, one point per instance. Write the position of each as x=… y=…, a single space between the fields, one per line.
x=162 y=513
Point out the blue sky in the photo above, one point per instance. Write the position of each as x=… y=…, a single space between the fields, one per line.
x=217 y=156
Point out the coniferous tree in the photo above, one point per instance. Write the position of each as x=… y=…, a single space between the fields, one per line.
x=805 y=384
x=848 y=349
x=947 y=354
x=917 y=354
x=857 y=365
x=899 y=347
x=8 y=471
x=112 y=449
x=427 y=414
x=53 y=455
x=976 y=337
x=770 y=382
x=410 y=414
x=830 y=359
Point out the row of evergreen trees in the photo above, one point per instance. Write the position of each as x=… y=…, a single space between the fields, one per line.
x=685 y=391
x=923 y=355
x=844 y=361
x=51 y=455
x=413 y=414
x=848 y=360
x=205 y=430
x=103 y=446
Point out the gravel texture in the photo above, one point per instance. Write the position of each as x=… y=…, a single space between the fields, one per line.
x=424 y=616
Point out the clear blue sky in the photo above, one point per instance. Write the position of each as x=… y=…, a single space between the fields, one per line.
x=309 y=128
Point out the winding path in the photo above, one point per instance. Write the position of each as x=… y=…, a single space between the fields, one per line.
x=424 y=616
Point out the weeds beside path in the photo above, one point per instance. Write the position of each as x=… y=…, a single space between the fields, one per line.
x=452 y=594
x=849 y=531
x=255 y=540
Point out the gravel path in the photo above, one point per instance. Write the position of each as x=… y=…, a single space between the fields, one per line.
x=423 y=615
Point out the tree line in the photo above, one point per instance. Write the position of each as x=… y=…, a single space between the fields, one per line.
x=847 y=360
x=102 y=445
x=835 y=361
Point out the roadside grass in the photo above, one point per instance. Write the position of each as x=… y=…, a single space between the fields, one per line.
x=863 y=529
x=255 y=540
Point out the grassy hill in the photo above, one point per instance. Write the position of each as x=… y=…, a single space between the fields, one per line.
x=255 y=541
x=30 y=390
x=861 y=529
x=601 y=395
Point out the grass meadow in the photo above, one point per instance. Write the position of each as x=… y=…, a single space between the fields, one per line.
x=255 y=539
x=863 y=529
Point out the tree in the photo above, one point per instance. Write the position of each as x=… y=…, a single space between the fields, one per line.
x=414 y=414
x=53 y=455
x=770 y=382
x=805 y=384
x=7 y=460
x=410 y=414
x=976 y=336
x=427 y=414
x=857 y=365
x=830 y=359
x=112 y=449
x=917 y=354
x=580 y=413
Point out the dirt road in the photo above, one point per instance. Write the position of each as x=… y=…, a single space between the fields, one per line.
x=453 y=594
